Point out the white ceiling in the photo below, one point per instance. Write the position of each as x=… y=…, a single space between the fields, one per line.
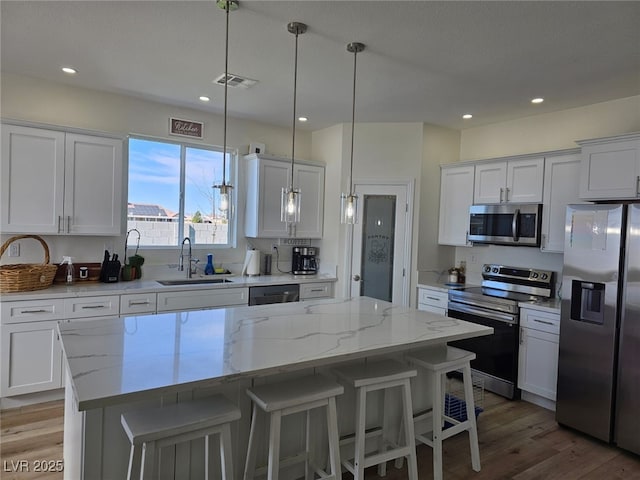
x=425 y=61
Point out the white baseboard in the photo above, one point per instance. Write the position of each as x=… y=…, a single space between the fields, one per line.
x=31 y=399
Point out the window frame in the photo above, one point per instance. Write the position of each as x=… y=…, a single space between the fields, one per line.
x=232 y=174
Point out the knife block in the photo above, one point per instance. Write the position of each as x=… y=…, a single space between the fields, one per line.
x=110 y=272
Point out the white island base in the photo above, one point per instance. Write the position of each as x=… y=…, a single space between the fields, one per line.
x=125 y=363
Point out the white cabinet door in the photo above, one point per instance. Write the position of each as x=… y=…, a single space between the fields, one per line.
x=432 y=300
x=524 y=181
x=490 y=182
x=509 y=181
x=266 y=176
x=456 y=196
x=93 y=185
x=60 y=183
x=32 y=180
x=561 y=188
x=310 y=180
x=31 y=358
x=538 y=353
x=610 y=170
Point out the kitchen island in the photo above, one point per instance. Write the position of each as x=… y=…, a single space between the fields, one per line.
x=122 y=363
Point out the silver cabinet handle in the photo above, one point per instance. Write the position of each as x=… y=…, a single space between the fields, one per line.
x=521 y=336
x=501 y=193
x=59 y=221
x=69 y=224
x=317 y=290
x=638 y=185
x=356 y=278
x=546 y=323
x=506 y=194
x=543 y=243
x=92 y=307
x=42 y=310
x=132 y=304
x=434 y=298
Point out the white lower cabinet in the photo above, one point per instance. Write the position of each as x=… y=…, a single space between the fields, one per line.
x=433 y=300
x=316 y=290
x=138 y=303
x=201 y=299
x=538 y=354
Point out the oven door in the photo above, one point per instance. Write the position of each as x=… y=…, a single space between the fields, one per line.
x=496 y=355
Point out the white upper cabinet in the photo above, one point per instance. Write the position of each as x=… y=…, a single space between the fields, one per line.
x=610 y=168
x=456 y=196
x=561 y=188
x=266 y=176
x=60 y=183
x=509 y=181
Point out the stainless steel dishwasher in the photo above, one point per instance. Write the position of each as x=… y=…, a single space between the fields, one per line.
x=274 y=294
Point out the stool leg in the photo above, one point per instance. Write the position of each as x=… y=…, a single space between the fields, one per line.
x=334 y=439
x=225 y=453
x=358 y=461
x=148 y=460
x=250 y=462
x=437 y=426
x=471 y=418
x=412 y=461
x=308 y=468
x=384 y=438
x=135 y=460
x=274 y=445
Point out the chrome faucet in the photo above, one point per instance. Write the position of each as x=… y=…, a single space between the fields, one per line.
x=181 y=259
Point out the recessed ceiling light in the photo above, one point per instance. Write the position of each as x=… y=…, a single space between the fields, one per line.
x=537 y=100
x=303 y=119
x=69 y=70
x=467 y=116
x=205 y=98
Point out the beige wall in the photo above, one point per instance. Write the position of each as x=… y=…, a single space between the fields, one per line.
x=32 y=100
x=551 y=131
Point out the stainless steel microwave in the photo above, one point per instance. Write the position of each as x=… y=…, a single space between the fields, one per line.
x=506 y=224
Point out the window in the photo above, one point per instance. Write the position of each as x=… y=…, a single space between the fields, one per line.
x=171 y=194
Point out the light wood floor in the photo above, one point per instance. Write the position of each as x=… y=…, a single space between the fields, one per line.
x=518 y=441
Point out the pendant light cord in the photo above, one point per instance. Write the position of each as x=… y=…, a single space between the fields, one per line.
x=226 y=84
x=353 y=121
x=295 y=88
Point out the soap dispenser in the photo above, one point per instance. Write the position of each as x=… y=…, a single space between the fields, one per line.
x=69 y=274
x=208 y=269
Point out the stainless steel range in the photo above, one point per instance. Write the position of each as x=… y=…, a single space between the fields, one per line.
x=496 y=304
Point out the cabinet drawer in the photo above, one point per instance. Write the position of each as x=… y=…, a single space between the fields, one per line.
x=92 y=306
x=137 y=303
x=541 y=321
x=435 y=298
x=32 y=311
x=201 y=299
x=316 y=290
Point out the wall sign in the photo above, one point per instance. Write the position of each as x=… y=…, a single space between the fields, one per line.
x=186 y=128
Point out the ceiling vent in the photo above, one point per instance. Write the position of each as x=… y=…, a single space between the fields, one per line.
x=235 y=81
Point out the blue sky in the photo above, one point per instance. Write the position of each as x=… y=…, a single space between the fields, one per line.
x=154 y=175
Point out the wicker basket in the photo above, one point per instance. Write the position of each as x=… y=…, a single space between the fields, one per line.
x=25 y=277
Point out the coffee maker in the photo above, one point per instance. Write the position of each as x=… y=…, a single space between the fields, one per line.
x=304 y=261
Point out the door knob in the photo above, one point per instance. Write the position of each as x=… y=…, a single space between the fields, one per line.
x=356 y=278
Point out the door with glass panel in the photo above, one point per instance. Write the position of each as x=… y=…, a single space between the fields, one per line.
x=380 y=252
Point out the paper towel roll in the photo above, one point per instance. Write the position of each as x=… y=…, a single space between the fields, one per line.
x=251 y=263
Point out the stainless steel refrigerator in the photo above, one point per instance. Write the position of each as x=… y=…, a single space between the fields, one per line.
x=599 y=359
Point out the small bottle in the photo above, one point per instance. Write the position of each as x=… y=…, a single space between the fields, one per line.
x=208 y=269
x=69 y=274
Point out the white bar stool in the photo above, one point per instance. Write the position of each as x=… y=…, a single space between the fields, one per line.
x=285 y=398
x=441 y=360
x=372 y=376
x=153 y=428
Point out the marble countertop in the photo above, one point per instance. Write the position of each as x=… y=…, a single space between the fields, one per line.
x=87 y=289
x=123 y=359
x=549 y=305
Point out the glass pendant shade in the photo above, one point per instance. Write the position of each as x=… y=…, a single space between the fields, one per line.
x=224 y=198
x=349 y=208
x=290 y=206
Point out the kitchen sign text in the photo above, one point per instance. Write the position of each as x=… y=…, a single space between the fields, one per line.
x=186 y=128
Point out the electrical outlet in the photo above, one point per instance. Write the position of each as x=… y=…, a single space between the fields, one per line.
x=14 y=249
x=274 y=246
x=474 y=259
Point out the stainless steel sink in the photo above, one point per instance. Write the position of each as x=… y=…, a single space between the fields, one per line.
x=193 y=281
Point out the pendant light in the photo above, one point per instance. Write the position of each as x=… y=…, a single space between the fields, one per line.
x=290 y=205
x=225 y=189
x=349 y=201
